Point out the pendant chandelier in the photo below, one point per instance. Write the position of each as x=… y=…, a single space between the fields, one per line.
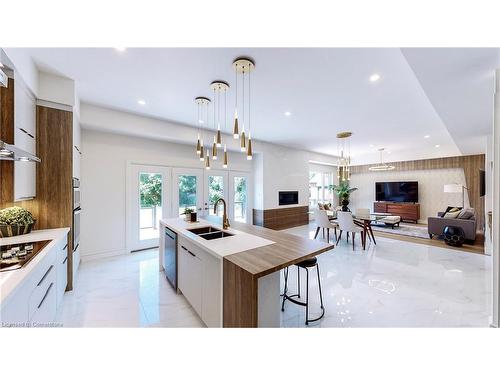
x=219 y=89
x=344 y=156
x=382 y=166
x=243 y=66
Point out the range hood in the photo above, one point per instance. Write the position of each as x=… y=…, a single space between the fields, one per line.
x=11 y=152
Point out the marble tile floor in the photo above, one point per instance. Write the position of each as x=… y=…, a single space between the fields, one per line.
x=397 y=284
x=391 y=284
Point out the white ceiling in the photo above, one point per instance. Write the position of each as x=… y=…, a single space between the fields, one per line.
x=444 y=93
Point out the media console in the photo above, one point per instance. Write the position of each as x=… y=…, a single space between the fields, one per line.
x=407 y=211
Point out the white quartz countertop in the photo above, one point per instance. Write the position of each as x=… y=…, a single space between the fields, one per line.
x=10 y=280
x=219 y=247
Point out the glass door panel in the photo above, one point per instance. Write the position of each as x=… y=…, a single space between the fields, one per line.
x=215 y=188
x=150 y=204
x=240 y=200
x=188 y=191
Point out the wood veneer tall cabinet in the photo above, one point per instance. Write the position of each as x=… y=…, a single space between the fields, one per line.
x=55 y=173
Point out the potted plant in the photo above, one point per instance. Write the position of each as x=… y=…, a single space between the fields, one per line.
x=188 y=212
x=15 y=221
x=343 y=191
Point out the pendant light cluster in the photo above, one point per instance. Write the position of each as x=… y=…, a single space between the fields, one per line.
x=344 y=156
x=206 y=150
x=243 y=66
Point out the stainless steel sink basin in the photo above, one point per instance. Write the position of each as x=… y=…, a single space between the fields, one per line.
x=203 y=230
x=215 y=235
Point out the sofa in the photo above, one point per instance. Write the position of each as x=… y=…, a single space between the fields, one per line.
x=437 y=224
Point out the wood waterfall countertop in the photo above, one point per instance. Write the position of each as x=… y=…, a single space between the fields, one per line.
x=287 y=250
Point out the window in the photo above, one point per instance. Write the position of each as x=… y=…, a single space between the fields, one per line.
x=319 y=188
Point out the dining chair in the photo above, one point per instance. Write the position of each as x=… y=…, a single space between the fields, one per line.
x=322 y=222
x=346 y=224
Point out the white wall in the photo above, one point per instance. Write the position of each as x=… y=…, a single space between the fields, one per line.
x=103 y=183
x=430 y=188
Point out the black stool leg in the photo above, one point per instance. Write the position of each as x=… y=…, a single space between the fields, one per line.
x=285 y=290
x=298 y=282
x=307 y=296
x=319 y=285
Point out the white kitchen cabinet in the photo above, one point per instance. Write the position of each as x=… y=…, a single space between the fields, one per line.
x=200 y=281
x=36 y=300
x=25 y=139
x=62 y=272
x=190 y=275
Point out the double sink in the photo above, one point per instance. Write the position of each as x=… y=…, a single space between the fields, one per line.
x=210 y=233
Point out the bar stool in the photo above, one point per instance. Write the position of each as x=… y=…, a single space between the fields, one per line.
x=306 y=264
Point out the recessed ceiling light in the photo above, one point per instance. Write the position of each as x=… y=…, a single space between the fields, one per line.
x=120 y=49
x=288 y=113
x=427 y=136
x=374 y=77
x=141 y=102
x=437 y=146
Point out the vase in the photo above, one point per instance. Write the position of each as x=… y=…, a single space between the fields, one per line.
x=345 y=203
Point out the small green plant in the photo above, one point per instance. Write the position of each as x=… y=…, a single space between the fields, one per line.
x=15 y=216
x=343 y=191
x=188 y=211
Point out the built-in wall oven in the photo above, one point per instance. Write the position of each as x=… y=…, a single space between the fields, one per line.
x=77 y=210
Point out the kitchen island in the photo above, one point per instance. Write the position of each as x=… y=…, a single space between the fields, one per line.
x=234 y=281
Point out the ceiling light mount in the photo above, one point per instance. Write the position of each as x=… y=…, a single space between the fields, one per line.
x=219 y=86
x=243 y=64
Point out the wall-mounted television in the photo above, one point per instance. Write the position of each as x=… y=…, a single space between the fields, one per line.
x=400 y=191
x=288 y=197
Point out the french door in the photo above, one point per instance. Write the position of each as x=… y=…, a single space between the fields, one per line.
x=148 y=200
x=187 y=191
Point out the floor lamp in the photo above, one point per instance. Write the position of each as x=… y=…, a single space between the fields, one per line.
x=456 y=188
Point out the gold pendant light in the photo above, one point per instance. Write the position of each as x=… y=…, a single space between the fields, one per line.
x=202 y=154
x=202 y=104
x=249 y=149
x=241 y=66
x=214 y=150
x=207 y=161
x=249 y=143
x=225 y=158
x=344 y=156
x=218 y=87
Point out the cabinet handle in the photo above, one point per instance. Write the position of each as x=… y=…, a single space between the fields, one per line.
x=190 y=253
x=76 y=247
x=65 y=247
x=44 y=276
x=64 y=261
x=45 y=295
x=27 y=197
x=25 y=132
x=169 y=236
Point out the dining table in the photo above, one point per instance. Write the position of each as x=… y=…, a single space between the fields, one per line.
x=364 y=221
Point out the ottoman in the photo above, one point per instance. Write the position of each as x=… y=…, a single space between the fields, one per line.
x=391 y=220
x=454 y=236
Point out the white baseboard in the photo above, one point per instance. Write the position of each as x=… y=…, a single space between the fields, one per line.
x=101 y=255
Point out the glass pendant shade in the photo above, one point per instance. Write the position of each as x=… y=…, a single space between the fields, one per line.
x=249 y=149
x=198 y=147
x=243 y=143
x=202 y=154
x=236 y=130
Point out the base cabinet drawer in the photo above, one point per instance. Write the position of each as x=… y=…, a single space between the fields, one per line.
x=39 y=296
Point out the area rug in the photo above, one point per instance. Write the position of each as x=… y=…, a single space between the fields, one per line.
x=403 y=229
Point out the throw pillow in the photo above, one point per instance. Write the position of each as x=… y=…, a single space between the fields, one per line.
x=451 y=215
x=466 y=214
